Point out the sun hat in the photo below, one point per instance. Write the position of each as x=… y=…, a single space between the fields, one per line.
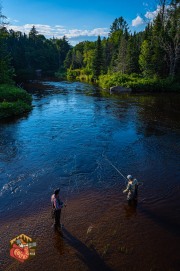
x=129 y=177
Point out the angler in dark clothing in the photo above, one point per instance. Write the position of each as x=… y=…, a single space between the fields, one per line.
x=57 y=205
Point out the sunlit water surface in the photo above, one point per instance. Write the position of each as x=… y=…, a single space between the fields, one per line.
x=70 y=139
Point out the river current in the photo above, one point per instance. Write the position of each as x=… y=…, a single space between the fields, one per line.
x=71 y=139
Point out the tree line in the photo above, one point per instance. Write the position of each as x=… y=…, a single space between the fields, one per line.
x=21 y=55
x=152 y=53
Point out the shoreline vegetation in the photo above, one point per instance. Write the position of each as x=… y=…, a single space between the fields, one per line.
x=134 y=81
x=14 y=101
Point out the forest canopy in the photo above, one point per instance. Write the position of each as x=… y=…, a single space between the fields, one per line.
x=150 y=54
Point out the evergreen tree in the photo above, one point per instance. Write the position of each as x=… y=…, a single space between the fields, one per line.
x=6 y=69
x=68 y=60
x=145 y=59
x=171 y=42
x=63 y=47
x=132 y=56
x=98 y=61
x=33 y=33
x=122 y=56
x=158 y=57
x=88 y=57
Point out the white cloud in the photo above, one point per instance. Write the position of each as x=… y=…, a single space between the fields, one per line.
x=137 y=21
x=152 y=14
x=44 y=29
x=58 y=31
x=59 y=26
x=89 y=33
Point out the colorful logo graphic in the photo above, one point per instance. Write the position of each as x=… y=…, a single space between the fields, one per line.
x=22 y=247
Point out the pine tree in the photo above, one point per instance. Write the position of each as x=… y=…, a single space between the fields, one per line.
x=122 y=56
x=145 y=59
x=6 y=69
x=132 y=56
x=98 y=60
x=33 y=33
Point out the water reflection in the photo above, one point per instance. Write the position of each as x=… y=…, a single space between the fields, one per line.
x=158 y=113
x=63 y=142
x=67 y=136
x=8 y=143
x=162 y=220
x=130 y=209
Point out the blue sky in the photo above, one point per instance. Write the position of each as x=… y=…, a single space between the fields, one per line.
x=78 y=20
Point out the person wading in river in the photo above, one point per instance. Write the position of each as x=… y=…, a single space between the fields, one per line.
x=57 y=205
x=131 y=189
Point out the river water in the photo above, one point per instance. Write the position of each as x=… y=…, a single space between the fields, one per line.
x=70 y=139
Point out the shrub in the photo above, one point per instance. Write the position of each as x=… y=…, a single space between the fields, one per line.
x=13 y=101
x=12 y=94
x=8 y=109
x=138 y=83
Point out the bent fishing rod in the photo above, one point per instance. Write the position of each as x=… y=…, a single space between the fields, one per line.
x=140 y=183
x=115 y=168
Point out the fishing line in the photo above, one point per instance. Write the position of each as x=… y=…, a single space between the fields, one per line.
x=115 y=167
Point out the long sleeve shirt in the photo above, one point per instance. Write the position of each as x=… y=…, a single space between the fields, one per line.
x=56 y=203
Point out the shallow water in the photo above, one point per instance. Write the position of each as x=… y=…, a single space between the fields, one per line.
x=70 y=139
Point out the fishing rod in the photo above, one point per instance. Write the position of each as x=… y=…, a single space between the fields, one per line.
x=139 y=183
x=115 y=168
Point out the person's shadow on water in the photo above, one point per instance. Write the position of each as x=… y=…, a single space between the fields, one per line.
x=59 y=242
x=164 y=222
x=87 y=255
x=130 y=209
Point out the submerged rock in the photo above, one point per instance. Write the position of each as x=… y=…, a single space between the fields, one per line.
x=119 y=89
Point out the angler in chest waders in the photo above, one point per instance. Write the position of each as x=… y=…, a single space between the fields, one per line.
x=132 y=190
x=57 y=205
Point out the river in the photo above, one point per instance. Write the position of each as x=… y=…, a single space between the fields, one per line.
x=70 y=139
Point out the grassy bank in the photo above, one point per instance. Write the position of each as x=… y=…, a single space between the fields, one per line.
x=134 y=81
x=80 y=75
x=138 y=83
x=13 y=101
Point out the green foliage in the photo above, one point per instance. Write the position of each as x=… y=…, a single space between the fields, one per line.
x=13 y=101
x=12 y=94
x=118 y=29
x=6 y=69
x=138 y=83
x=8 y=109
x=153 y=54
x=79 y=75
x=98 y=61
x=34 y=52
x=73 y=74
x=145 y=59
x=122 y=64
x=61 y=74
x=115 y=79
